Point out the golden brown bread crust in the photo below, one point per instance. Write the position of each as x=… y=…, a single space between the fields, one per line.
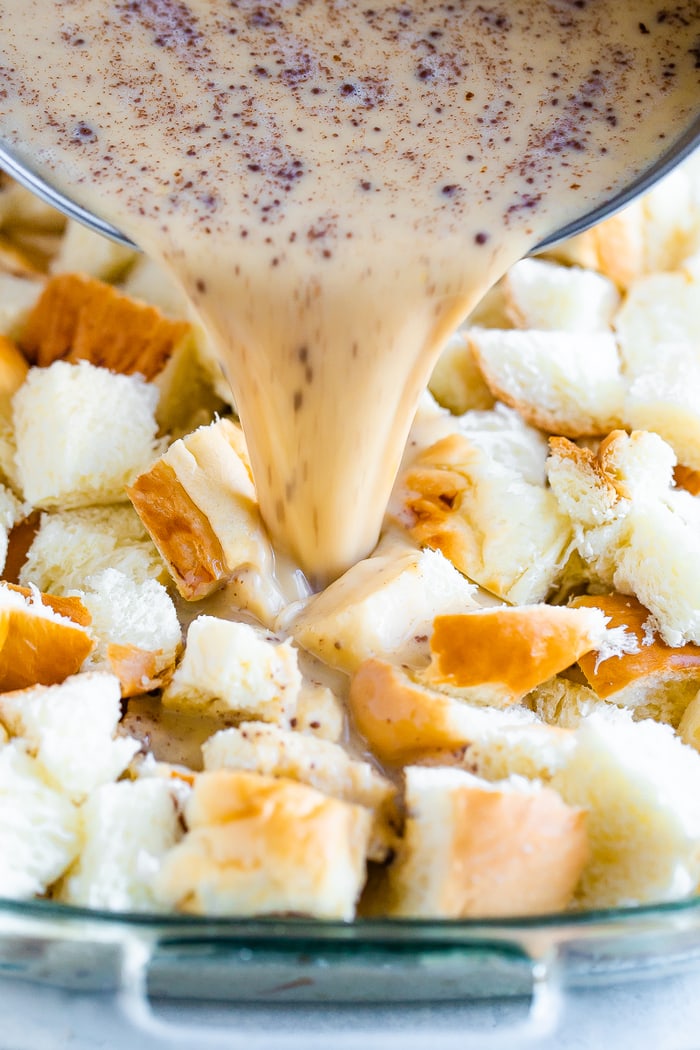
x=513 y=854
x=596 y=465
x=433 y=488
x=512 y=649
x=38 y=651
x=399 y=719
x=688 y=479
x=136 y=669
x=72 y=608
x=18 y=543
x=652 y=659
x=13 y=371
x=80 y=318
x=181 y=532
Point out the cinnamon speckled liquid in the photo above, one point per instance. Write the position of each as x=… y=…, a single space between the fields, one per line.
x=335 y=183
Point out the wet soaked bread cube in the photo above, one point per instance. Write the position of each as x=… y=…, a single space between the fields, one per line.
x=383 y=606
x=260 y=846
x=542 y=296
x=321 y=764
x=235 y=670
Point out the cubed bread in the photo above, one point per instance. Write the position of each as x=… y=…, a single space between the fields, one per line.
x=474 y=849
x=198 y=503
x=131 y=622
x=237 y=671
x=654 y=679
x=563 y=702
x=457 y=382
x=38 y=646
x=83 y=434
x=640 y=786
x=405 y=722
x=72 y=545
x=84 y=251
x=382 y=607
x=543 y=296
x=39 y=828
x=320 y=711
x=614 y=248
x=274 y=752
x=79 y=318
x=125 y=831
x=477 y=502
x=18 y=296
x=496 y=656
x=562 y=382
x=259 y=846
x=70 y=730
x=634 y=530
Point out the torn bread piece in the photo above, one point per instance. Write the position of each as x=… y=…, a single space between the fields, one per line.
x=72 y=545
x=83 y=434
x=634 y=530
x=405 y=722
x=125 y=831
x=564 y=702
x=11 y=513
x=259 y=846
x=84 y=252
x=79 y=318
x=274 y=752
x=497 y=656
x=640 y=786
x=198 y=503
x=383 y=606
x=70 y=730
x=320 y=711
x=135 y=626
x=654 y=679
x=457 y=382
x=543 y=296
x=566 y=383
x=237 y=671
x=474 y=849
x=39 y=832
x=615 y=247
x=38 y=646
x=471 y=496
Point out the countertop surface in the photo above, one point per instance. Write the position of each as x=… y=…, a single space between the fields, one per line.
x=648 y=1014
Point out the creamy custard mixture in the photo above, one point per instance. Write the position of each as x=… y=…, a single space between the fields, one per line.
x=335 y=183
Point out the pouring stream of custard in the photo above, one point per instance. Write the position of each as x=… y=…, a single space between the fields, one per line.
x=335 y=184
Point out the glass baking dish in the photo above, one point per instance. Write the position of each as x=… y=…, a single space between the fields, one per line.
x=143 y=959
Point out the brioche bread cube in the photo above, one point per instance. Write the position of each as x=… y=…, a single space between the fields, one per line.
x=654 y=680
x=489 y=516
x=383 y=606
x=274 y=752
x=477 y=849
x=260 y=846
x=320 y=712
x=18 y=295
x=39 y=828
x=563 y=702
x=69 y=729
x=38 y=646
x=82 y=434
x=73 y=545
x=234 y=669
x=541 y=295
x=79 y=318
x=135 y=626
x=614 y=247
x=496 y=656
x=640 y=786
x=125 y=831
x=562 y=382
x=405 y=722
x=85 y=252
x=198 y=503
x=457 y=382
